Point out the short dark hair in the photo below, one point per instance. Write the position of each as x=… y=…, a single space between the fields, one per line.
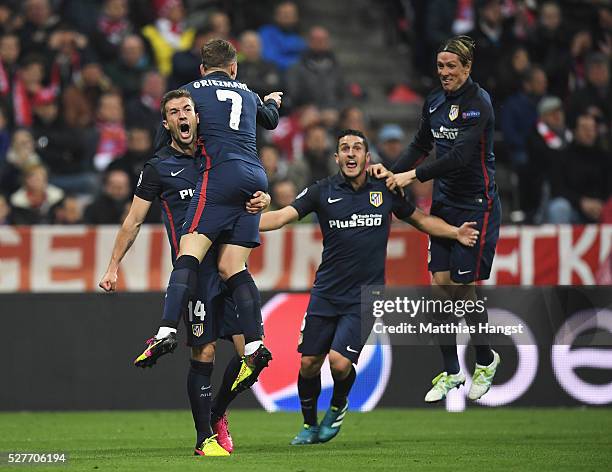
x=352 y=132
x=218 y=53
x=463 y=46
x=171 y=95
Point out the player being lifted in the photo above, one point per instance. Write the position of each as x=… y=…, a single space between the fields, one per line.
x=332 y=325
x=231 y=173
x=458 y=118
x=171 y=176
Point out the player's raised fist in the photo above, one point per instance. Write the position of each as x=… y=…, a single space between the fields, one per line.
x=276 y=96
x=108 y=282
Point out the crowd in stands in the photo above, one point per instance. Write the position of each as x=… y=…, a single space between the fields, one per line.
x=81 y=83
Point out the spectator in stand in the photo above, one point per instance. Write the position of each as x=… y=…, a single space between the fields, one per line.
x=390 y=144
x=317 y=78
x=283 y=193
x=289 y=134
x=40 y=23
x=168 y=34
x=221 y=27
x=68 y=48
x=33 y=201
x=68 y=211
x=582 y=182
x=128 y=69
x=139 y=148
x=28 y=84
x=20 y=156
x=519 y=116
x=595 y=97
x=549 y=47
x=61 y=149
x=186 y=64
x=111 y=206
x=144 y=110
x=10 y=21
x=281 y=41
x=80 y=100
x=109 y=140
x=316 y=162
x=512 y=68
x=9 y=54
x=580 y=48
x=274 y=166
x=5 y=212
x=352 y=117
x=546 y=148
x=113 y=27
x=492 y=34
x=261 y=76
x=603 y=31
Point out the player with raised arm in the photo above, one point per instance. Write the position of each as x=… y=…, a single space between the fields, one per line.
x=354 y=212
x=171 y=176
x=458 y=118
x=231 y=172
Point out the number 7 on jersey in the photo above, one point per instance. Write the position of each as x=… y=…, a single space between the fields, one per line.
x=236 y=99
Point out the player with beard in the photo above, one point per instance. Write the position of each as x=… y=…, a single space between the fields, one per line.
x=171 y=176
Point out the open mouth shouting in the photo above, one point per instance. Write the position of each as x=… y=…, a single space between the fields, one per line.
x=185 y=131
x=351 y=164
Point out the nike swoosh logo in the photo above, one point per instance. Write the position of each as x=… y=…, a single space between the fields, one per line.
x=205 y=388
x=431 y=110
x=333 y=200
x=462 y=272
x=174 y=174
x=348 y=348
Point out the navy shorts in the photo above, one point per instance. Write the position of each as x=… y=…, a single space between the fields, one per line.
x=212 y=314
x=328 y=325
x=466 y=264
x=217 y=208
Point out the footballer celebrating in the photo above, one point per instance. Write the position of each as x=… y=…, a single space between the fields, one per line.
x=458 y=118
x=354 y=212
x=171 y=176
x=231 y=173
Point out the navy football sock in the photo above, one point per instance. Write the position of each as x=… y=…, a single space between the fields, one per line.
x=342 y=388
x=200 y=394
x=248 y=304
x=182 y=285
x=225 y=395
x=484 y=355
x=309 y=390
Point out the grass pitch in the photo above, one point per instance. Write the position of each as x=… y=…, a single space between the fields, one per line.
x=406 y=440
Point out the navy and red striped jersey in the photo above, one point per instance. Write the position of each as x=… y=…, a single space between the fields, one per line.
x=170 y=176
x=461 y=125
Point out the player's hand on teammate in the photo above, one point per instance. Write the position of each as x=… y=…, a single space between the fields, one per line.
x=401 y=180
x=259 y=202
x=467 y=234
x=379 y=171
x=108 y=282
x=276 y=96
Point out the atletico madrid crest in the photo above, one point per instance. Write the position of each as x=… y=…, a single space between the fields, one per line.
x=376 y=199
x=453 y=113
x=197 y=329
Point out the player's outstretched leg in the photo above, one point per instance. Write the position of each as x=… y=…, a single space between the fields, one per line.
x=483 y=377
x=344 y=375
x=182 y=285
x=309 y=389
